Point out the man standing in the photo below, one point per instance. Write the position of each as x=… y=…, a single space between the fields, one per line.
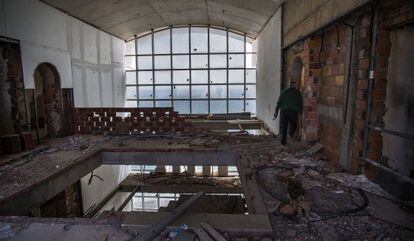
x=290 y=104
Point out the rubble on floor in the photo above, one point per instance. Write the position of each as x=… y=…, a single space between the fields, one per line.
x=342 y=206
x=307 y=198
x=179 y=179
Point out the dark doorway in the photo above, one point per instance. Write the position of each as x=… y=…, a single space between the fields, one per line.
x=13 y=117
x=47 y=105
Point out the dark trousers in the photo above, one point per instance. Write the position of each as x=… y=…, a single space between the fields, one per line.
x=288 y=117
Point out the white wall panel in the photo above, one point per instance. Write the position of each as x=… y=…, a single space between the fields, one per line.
x=78 y=90
x=89 y=44
x=107 y=93
x=269 y=71
x=92 y=88
x=33 y=55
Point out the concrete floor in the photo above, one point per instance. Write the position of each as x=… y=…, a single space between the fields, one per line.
x=262 y=163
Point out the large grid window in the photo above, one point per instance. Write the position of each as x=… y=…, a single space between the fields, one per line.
x=196 y=70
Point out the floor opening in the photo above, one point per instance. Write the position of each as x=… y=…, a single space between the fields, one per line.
x=152 y=188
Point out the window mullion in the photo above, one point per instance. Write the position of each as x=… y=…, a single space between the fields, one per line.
x=153 y=67
x=244 y=75
x=136 y=68
x=171 y=67
x=189 y=66
x=227 y=70
x=208 y=68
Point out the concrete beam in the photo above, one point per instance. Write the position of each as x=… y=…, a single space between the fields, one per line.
x=40 y=231
x=227 y=124
x=22 y=204
x=302 y=17
x=197 y=158
x=181 y=189
x=235 y=224
x=254 y=200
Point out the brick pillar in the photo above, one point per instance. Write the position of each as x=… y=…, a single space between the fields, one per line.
x=176 y=169
x=378 y=92
x=223 y=171
x=207 y=171
x=311 y=91
x=191 y=170
x=160 y=170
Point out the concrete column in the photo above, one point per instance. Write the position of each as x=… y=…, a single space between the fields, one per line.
x=191 y=170
x=160 y=170
x=176 y=169
x=207 y=171
x=223 y=171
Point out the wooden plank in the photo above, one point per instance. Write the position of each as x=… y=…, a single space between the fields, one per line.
x=202 y=235
x=152 y=232
x=212 y=232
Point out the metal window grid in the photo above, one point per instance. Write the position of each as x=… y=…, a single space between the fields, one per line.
x=190 y=70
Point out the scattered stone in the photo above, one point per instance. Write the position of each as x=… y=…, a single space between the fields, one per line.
x=288 y=210
x=313 y=173
x=291 y=233
x=51 y=150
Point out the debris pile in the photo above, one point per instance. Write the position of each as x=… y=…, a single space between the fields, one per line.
x=180 y=179
x=309 y=199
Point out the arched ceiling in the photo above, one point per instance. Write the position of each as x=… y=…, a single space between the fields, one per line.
x=125 y=18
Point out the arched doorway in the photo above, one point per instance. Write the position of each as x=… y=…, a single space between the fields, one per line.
x=48 y=101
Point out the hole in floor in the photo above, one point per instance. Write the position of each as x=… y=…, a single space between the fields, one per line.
x=148 y=188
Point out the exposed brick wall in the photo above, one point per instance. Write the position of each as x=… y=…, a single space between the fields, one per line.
x=11 y=53
x=307 y=52
x=332 y=94
x=330 y=80
x=391 y=14
x=396 y=13
x=138 y=121
x=66 y=204
x=73 y=201
x=322 y=87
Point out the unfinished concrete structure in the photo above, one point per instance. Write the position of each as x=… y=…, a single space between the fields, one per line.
x=153 y=120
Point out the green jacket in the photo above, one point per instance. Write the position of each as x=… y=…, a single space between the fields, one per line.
x=290 y=99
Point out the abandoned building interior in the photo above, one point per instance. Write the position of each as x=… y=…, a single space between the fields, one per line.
x=127 y=120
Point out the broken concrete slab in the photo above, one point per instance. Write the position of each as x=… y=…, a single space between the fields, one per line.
x=249 y=225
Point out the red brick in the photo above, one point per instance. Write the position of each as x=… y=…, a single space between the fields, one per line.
x=361 y=104
x=362 y=84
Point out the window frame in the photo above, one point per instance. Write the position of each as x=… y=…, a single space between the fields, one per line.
x=190 y=69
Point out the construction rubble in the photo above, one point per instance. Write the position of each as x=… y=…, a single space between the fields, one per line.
x=305 y=196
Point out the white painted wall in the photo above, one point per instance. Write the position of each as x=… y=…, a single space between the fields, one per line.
x=97 y=190
x=87 y=59
x=269 y=71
